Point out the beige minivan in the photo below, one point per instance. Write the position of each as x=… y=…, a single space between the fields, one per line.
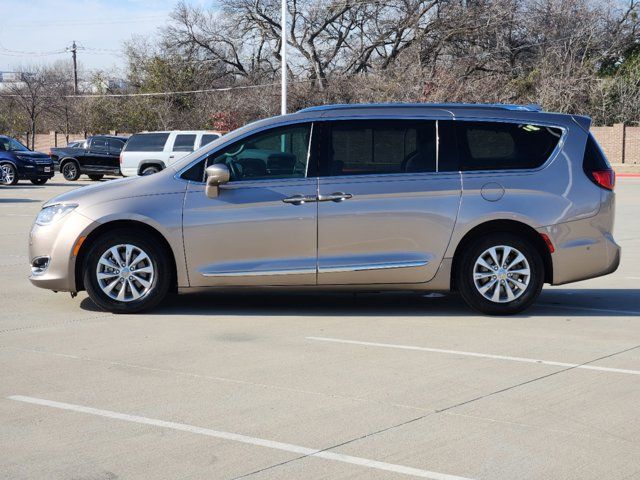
x=492 y=201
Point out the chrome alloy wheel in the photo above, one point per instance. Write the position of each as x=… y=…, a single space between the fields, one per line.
x=7 y=174
x=501 y=274
x=125 y=273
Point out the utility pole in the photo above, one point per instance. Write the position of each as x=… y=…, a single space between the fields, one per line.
x=283 y=57
x=73 y=49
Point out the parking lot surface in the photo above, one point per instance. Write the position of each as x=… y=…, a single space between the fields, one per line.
x=306 y=386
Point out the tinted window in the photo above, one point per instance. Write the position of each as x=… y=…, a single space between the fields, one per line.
x=277 y=153
x=99 y=145
x=146 y=142
x=381 y=147
x=184 y=143
x=12 y=145
x=594 y=159
x=497 y=146
x=115 y=146
x=208 y=138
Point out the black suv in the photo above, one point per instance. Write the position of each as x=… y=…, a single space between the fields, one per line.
x=17 y=162
x=97 y=156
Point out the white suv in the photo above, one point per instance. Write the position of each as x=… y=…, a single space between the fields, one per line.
x=149 y=152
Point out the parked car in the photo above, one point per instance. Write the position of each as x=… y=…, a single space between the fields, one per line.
x=96 y=157
x=76 y=143
x=17 y=162
x=149 y=152
x=488 y=200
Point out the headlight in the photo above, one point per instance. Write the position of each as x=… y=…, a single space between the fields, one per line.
x=50 y=214
x=25 y=159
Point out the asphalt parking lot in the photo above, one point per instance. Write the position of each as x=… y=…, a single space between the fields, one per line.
x=366 y=386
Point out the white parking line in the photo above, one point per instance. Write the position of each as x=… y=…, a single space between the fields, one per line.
x=476 y=354
x=287 y=447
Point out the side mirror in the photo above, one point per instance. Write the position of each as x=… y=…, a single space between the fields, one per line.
x=216 y=175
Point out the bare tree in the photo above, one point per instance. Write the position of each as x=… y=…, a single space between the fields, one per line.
x=31 y=95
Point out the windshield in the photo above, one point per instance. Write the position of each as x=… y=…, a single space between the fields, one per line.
x=12 y=145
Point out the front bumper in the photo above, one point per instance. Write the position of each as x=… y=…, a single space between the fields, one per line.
x=57 y=241
x=36 y=171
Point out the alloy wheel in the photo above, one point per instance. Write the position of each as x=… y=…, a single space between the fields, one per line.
x=501 y=274
x=7 y=175
x=125 y=273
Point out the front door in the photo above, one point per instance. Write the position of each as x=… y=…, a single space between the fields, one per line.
x=262 y=227
x=387 y=203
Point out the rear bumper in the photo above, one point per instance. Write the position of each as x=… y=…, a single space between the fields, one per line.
x=582 y=251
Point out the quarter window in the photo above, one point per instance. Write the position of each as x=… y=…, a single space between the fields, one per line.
x=208 y=138
x=381 y=147
x=505 y=146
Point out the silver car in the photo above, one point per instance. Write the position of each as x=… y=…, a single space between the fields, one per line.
x=491 y=201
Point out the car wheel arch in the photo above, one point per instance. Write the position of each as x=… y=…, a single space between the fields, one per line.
x=128 y=224
x=506 y=226
x=151 y=163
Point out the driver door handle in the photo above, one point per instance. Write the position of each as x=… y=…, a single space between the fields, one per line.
x=334 y=197
x=300 y=199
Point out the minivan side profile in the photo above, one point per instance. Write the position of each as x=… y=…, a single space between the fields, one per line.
x=149 y=152
x=491 y=201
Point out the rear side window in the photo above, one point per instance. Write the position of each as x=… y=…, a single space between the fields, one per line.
x=115 y=146
x=208 y=138
x=99 y=145
x=504 y=146
x=184 y=143
x=146 y=142
x=380 y=147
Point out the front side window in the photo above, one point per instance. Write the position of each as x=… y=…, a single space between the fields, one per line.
x=12 y=145
x=277 y=153
x=381 y=147
x=504 y=146
x=146 y=142
x=184 y=143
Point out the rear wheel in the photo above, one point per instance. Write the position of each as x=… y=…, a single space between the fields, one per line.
x=126 y=272
x=96 y=178
x=500 y=274
x=70 y=170
x=8 y=174
x=39 y=181
x=150 y=170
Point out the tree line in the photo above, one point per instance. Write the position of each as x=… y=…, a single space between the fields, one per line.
x=578 y=56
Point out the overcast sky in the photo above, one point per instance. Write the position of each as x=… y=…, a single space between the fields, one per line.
x=41 y=27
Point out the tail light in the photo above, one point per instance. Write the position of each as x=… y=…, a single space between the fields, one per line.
x=604 y=178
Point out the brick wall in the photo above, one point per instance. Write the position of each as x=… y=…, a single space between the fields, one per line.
x=621 y=144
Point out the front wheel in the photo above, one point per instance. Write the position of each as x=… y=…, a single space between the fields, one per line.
x=500 y=274
x=8 y=174
x=70 y=170
x=39 y=181
x=126 y=272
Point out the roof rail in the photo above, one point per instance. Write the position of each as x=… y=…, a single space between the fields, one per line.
x=533 y=107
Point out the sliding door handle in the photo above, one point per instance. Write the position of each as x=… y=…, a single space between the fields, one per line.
x=300 y=199
x=335 y=197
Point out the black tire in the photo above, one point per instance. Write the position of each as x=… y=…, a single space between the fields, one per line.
x=150 y=170
x=96 y=177
x=39 y=181
x=158 y=258
x=464 y=274
x=70 y=170
x=9 y=172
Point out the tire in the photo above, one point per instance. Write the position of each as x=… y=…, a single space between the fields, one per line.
x=70 y=170
x=96 y=177
x=9 y=174
x=478 y=276
x=155 y=270
x=150 y=170
x=39 y=181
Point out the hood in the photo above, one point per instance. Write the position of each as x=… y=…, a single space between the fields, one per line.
x=29 y=154
x=129 y=187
